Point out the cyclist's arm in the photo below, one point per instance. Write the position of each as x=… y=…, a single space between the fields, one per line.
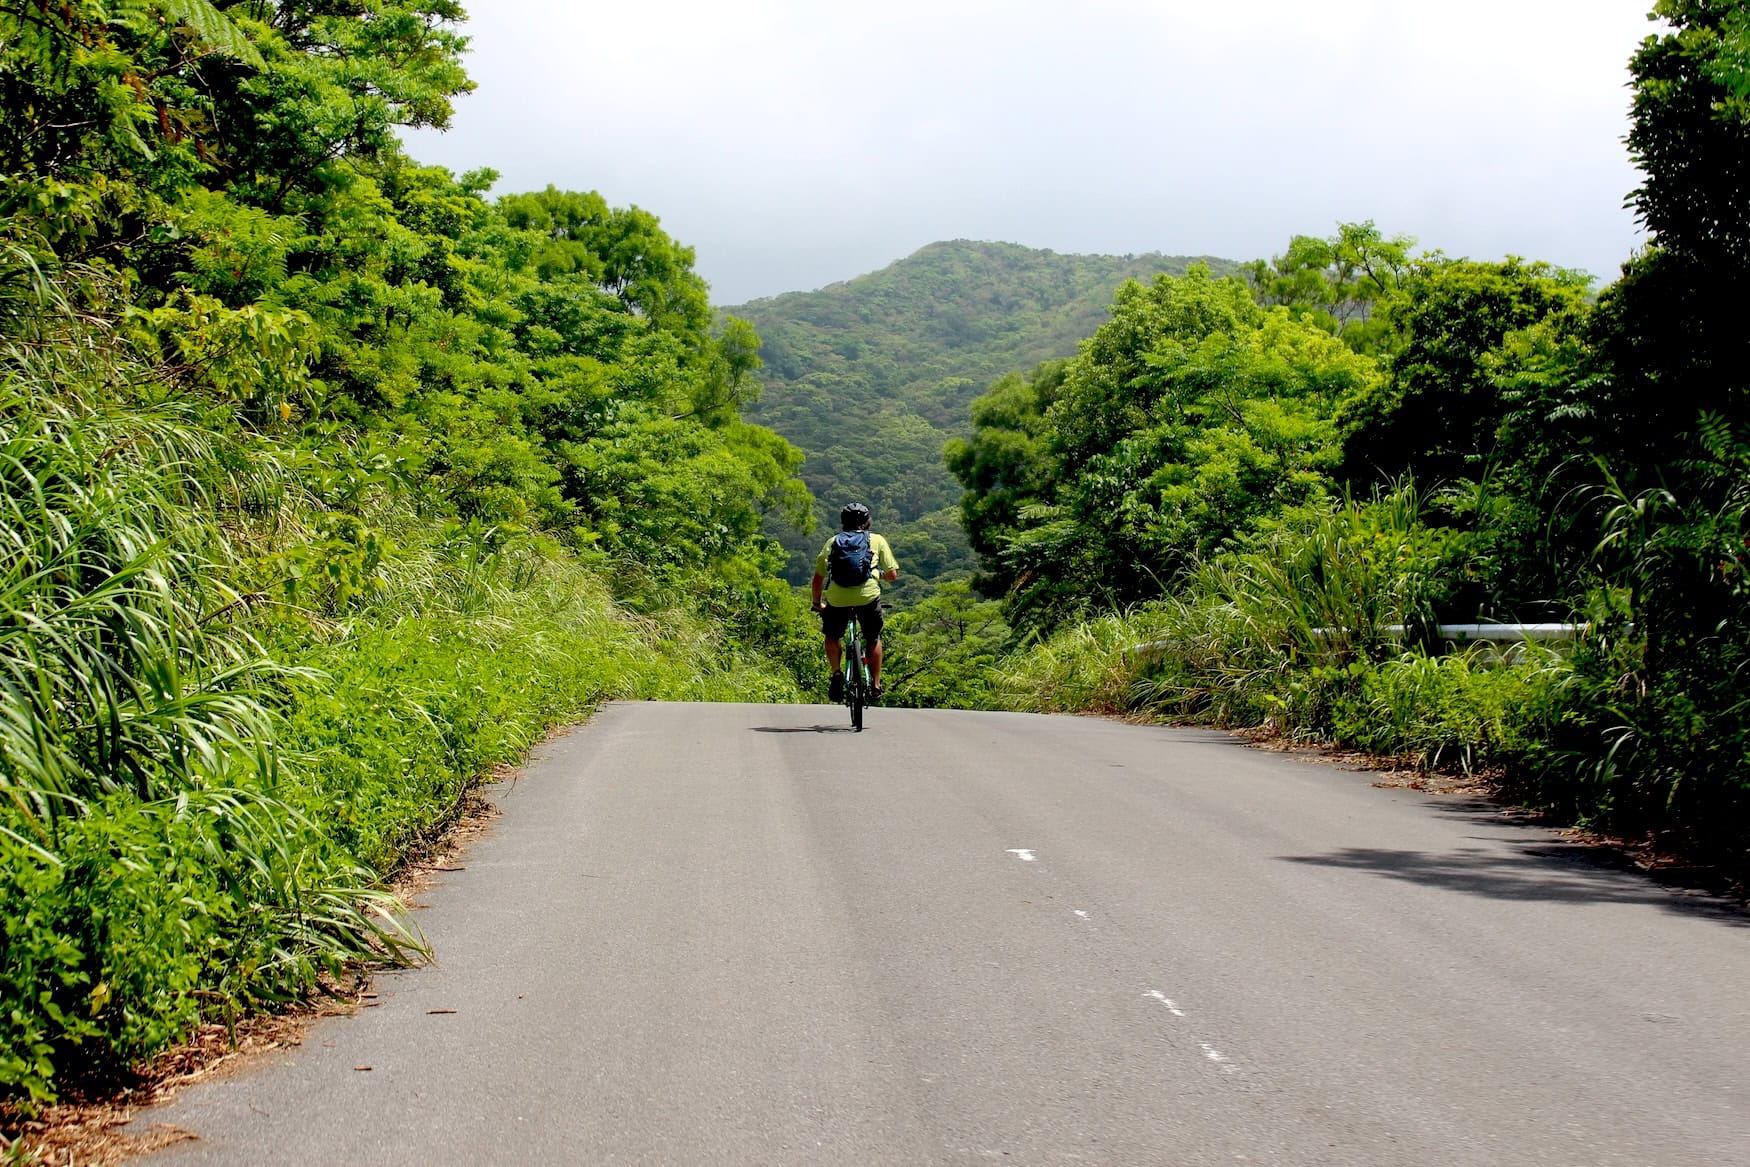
x=890 y=574
x=814 y=597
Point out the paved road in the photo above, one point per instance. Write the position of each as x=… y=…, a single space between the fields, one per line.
x=732 y=934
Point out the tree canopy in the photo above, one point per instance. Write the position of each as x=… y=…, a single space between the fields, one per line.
x=872 y=377
x=1192 y=414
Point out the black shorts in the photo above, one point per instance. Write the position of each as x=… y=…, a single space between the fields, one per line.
x=835 y=620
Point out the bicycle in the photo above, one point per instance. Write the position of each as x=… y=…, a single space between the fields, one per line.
x=859 y=689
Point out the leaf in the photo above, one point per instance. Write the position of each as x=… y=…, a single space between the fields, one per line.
x=214 y=28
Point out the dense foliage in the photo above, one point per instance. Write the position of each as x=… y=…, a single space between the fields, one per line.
x=1255 y=507
x=943 y=651
x=329 y=484
x=1189 y=415
x=872 y=377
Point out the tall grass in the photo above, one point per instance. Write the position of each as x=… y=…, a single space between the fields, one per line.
x=148 y=857
x=1320 y=630
x=1090 y=667
x=118 y=664
x=227 y=711
x=1234 y=642
x=1670 y=703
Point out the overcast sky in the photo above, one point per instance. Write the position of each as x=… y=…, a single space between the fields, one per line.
x=794 y=143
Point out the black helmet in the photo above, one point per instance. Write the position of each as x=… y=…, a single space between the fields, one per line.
x=853 y=516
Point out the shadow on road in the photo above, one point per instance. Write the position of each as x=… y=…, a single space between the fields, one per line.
x=1549 y=870
x=803 y=729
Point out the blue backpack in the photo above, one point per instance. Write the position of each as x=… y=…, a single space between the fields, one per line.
x=850 y=561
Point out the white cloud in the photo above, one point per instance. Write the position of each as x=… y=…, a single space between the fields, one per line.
x=794 y=143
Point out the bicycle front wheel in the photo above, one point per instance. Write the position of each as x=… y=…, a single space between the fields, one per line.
x=856 y=692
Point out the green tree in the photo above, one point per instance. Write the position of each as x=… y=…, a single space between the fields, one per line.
x=1189 y=417
x=1677 y=443
x=623 y=251
x=1436 y=415
x=1003 y=467
x=1671 y=326
x=944 y=650
x=110 y=110
x=1337 y=282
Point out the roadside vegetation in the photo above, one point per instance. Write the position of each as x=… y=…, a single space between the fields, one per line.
x=329 y=485
x=1250 y=501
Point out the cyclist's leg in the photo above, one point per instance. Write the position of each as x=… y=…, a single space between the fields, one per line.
x=870 y=619
x=833 y=622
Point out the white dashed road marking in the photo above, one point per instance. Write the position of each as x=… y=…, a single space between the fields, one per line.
x=1209 y=1050
x=1024 y=854
x=1216 y=1056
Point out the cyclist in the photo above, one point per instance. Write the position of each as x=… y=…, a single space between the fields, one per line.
x=845 y=602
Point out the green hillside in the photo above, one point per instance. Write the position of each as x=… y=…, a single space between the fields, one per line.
x=873 y=376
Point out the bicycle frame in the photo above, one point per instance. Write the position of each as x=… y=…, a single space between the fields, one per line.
x=856 y=674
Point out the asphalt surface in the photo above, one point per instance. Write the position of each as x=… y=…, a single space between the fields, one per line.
x=737 y=935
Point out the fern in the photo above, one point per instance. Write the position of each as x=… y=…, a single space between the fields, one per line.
x=1722 y=444
x=211 y=26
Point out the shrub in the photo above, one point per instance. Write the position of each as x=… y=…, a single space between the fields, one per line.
x=1472 y=709
x=226 y=712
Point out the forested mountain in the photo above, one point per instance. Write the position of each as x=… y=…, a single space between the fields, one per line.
x=872 y=377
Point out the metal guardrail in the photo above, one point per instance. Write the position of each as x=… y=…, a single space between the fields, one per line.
x=1511 y=632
